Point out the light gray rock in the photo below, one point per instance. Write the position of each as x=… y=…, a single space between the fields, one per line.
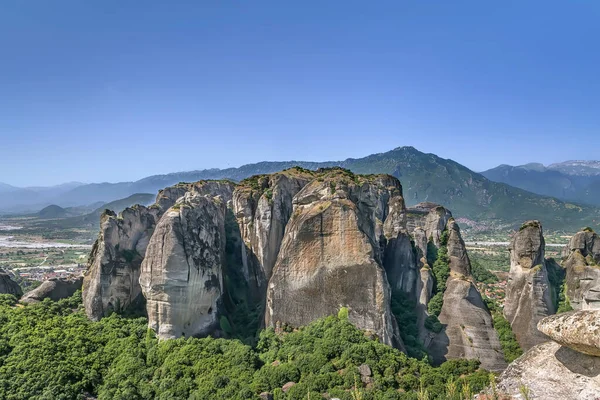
x=583 y=271
x=8 y=285
x=53 y=289
x=578 y=330
x=181 y=275
x=262 y=206
x=111 y=282
x=430 y=217
x=330 y=256
x=468 y=327
x=528 y=292
x=552 y=372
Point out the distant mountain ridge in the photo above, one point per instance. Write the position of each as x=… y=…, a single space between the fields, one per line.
x=425 y=177
x=570 y=180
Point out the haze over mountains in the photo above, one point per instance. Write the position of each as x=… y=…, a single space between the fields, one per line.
x=577 y=181
x=482 y=199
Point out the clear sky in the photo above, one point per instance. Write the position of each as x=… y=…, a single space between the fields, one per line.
x=117 y=90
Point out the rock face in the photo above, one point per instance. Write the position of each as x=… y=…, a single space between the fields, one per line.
x=528 y=292
x=53 y=289
x=583 y=271
x=262 y=206
x=8 y=286
x=468 y=328
x=578 y=330
x=181 y=275
x=431 y=217
x=554 y=372
x=111 y=280
x=331 y=258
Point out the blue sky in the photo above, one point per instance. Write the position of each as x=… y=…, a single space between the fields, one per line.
x=113 y=90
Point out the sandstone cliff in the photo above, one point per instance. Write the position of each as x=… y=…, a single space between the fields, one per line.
x=53 y=289
x=431 y=217
x=468 y=327
x=8 y=286
x=528 y=292
x=330 y=256
x=583 y=271
x=551 y=371
x=111 y=280
x=181 y=275
x=262 y=206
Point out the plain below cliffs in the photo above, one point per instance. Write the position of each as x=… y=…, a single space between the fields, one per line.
x=528 y=292
x=468 y=330
x=330 y=257
x=583 y=270
x=181 y=275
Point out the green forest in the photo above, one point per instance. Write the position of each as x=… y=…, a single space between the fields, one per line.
x=52 y=351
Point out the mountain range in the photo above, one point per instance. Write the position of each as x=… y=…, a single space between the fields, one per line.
x=481 y=200
x=577 y=181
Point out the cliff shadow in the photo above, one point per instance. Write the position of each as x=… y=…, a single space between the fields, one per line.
x=578 y=363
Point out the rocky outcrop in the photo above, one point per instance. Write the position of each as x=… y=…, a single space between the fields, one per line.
x=262 y=206
x=430 y=217
x=578 y=330
x=566 y=368
x=111 y=282
x=181 y=275
x=54 y=289
x=8 y=286
x=331 y=257
x=528 y=292
x=583 y=270
x=468 y=327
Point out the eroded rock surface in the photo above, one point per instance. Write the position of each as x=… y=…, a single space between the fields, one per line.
x=468 y=327
x=583 y=271
x=578 y=330
x=262 y=206
x=8 y=285
x=431 y=217
x=330 y=256
x=552 y=372
x=53 y=289
x=528 y=292
x=181 y=275
x=111 y=282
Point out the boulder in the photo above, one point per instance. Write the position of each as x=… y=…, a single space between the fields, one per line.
x=8 y=285
x=54 y=289
x=287 y=386
x=331 y=258
x=550 y=371
x=577 y=330
x=181 y=275
x=528 y=292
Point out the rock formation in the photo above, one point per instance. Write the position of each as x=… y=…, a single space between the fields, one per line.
x=330 y=256
x=468 y=327
x=111 y=282
x=181 y=275
x=583 y=270
x=431 y=217
x=262 y=206
x=8 y=286
x=528 y=292
x=551 y=371
x=53 y=289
